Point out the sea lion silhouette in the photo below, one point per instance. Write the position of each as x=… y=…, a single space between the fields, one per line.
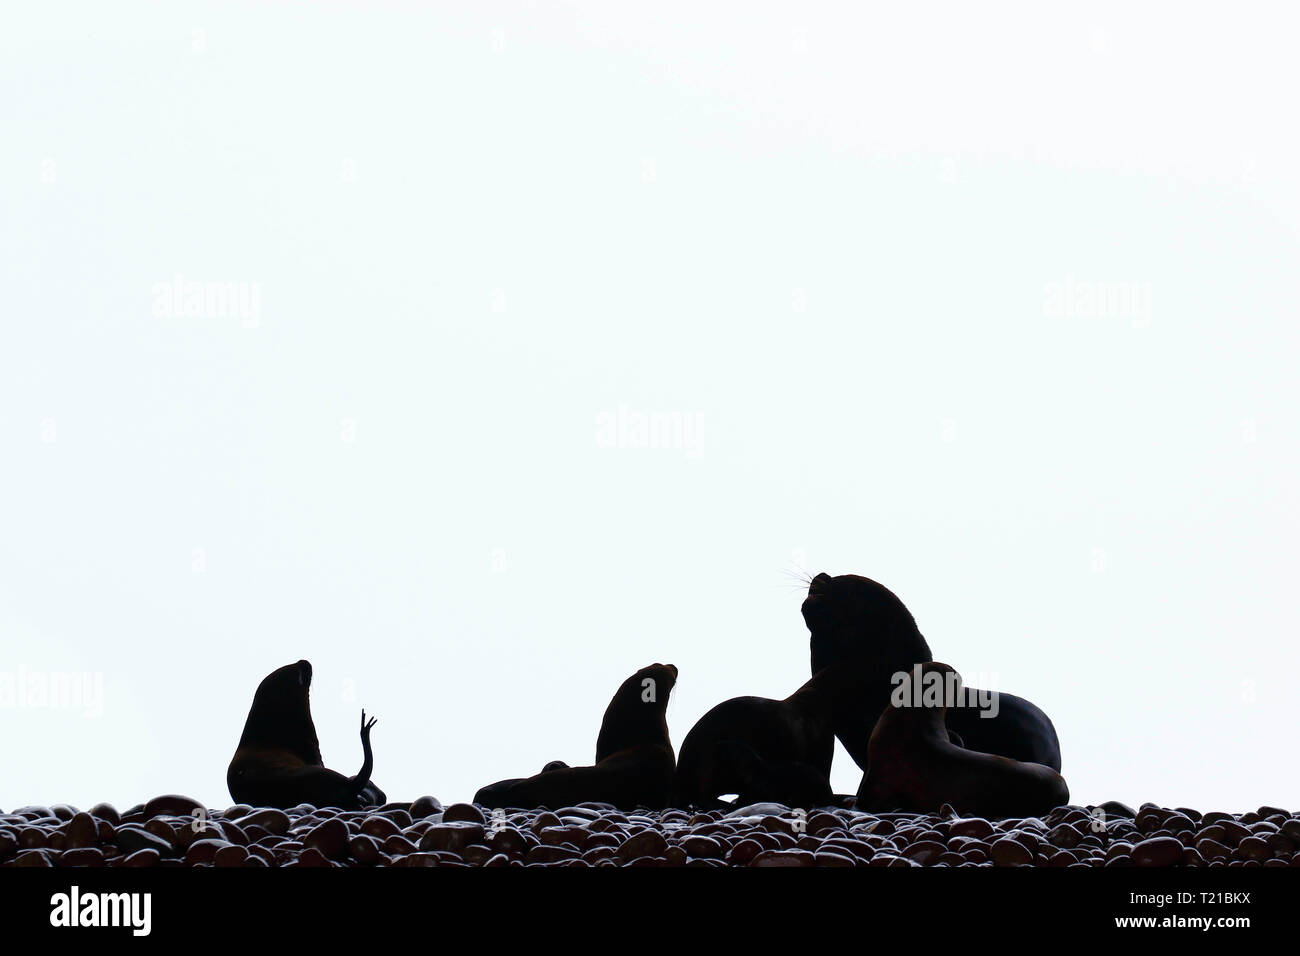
x=764 y=750
x=914 y=767
x=278 y=762
x=855 y=619
x=634 y=756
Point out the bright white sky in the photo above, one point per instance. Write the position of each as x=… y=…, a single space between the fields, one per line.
x=834 y=240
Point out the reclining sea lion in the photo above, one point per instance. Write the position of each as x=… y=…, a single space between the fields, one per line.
x=914 y=767
x=634 y=757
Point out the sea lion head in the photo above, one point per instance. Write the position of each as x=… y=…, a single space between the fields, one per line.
x=664 y=677
x=280 y=717
x=636 y=714
x=855 y=618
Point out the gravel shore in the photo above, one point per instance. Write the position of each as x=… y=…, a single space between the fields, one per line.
x=172 y=831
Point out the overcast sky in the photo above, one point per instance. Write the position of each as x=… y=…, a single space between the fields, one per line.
x=338 y=333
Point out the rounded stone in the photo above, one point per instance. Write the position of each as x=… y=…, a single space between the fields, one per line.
x=173 y=805
x=204 y=851
x=463 y=813
x=1010 y=852
x=1158 y=851
x=329 y=838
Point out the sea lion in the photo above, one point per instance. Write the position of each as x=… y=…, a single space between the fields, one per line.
x=915 y=768
x=733 y=766
x=763 y=750
x=852 y=618
x=634 y=757
x=278 y=762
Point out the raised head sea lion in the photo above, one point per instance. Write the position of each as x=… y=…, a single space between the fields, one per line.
x=914 y=767
x=854 y=619
x=634 y=757
x=278 y=762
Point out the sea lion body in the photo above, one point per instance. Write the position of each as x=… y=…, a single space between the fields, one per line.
x=634 y=756
x=852 y=618
x=914 y=767
x=278 y=761
x=761 y=749
x=263 y=780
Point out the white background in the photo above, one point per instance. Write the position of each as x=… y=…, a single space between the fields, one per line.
x=826 y=234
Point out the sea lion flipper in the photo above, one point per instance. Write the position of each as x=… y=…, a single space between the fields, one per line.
x=362 y=779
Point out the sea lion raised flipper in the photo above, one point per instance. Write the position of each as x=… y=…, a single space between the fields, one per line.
x=362 y=779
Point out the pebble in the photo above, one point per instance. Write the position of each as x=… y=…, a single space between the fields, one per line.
x=145 y=857
x=81 y=831
x=269 y=819
x=452 y=836
x=106 y=811
x=82 y=856
x=1158 y=851
x=976 y=827
x=330 y=839
x=425 y=806
x=203 y=851
x=1010 y=852
x=783 y=858
x=173 y=804
x=232 y=855
x=463 y=813
x=161 y=832
x=131 y=839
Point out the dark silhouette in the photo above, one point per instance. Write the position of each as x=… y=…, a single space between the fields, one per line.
x=855 y=620
x=914 y=766
x=278 y=762
x=634 y=757
x=763 y=750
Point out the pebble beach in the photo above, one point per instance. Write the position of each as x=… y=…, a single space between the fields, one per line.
x=176 y=831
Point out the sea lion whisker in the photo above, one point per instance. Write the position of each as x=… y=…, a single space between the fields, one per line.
x=799 y=574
